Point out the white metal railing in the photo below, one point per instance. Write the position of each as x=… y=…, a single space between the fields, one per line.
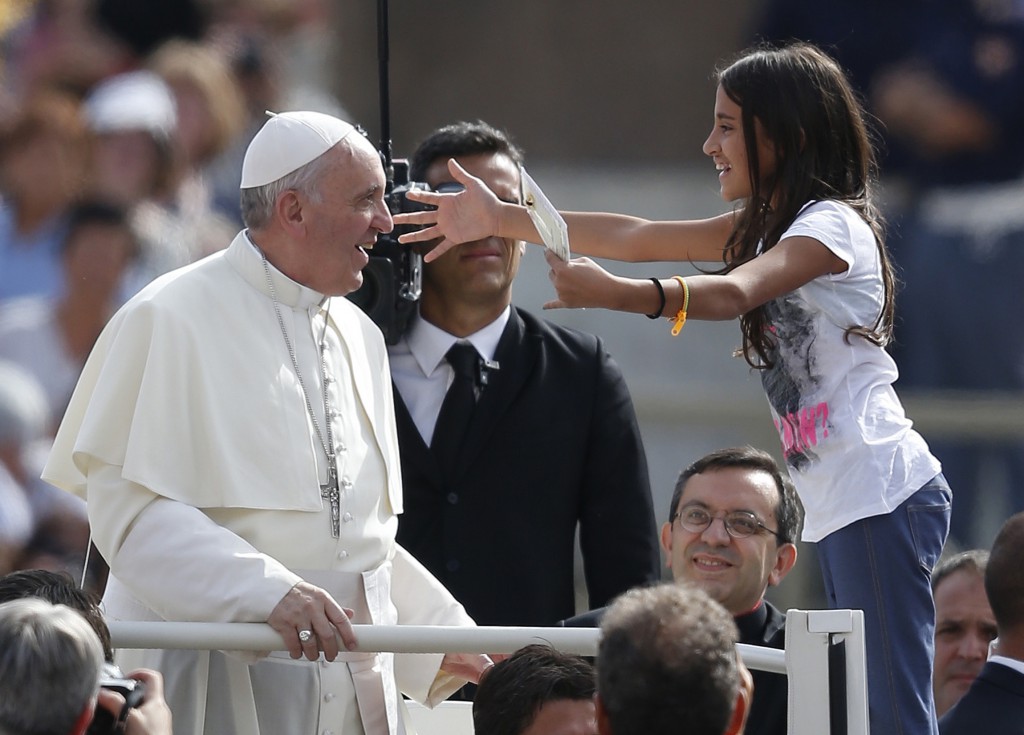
x=824 y=654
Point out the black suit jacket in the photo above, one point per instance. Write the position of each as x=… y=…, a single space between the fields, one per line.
x=553 y=442
x=994 y=705
x=765 y=626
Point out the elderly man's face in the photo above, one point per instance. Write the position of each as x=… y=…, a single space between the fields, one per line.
x=347 y=220
x=964 y=626
x=733 y=571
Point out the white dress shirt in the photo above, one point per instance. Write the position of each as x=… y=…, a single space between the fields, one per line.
x=421 y=373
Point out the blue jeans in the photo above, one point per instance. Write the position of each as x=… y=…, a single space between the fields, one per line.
x=883 y=565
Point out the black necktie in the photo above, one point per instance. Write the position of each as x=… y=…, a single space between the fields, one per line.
x=453 y=418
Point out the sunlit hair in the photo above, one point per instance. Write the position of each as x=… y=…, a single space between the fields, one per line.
x=207 y=72
x=58 y=116
x=257 y=203
x=810 y=115
x=50 y=663
x=46 y=112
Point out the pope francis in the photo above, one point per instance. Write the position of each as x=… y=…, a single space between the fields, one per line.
x=233 y=434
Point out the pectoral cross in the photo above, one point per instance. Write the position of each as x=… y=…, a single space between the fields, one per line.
x=331 y=493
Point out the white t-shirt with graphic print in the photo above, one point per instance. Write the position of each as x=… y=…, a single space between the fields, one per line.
x=850 y=448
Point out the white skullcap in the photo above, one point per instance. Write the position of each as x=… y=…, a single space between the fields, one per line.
x=138 y=100
x=288 y=141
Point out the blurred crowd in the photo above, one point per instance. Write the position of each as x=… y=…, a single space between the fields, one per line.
x=123 y=125
x=122 y=130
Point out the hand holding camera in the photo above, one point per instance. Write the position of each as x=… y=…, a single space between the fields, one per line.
x=132 y=704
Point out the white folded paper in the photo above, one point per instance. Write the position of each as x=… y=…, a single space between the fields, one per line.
x=549 y=223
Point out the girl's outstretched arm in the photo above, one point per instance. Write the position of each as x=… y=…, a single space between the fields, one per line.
x=784 y=268
x=476 y=213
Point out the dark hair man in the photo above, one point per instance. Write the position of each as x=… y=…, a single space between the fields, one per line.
x=732 y=528
x=58 y=588
x=538 y=690
x=995 y=702
x=546 y=439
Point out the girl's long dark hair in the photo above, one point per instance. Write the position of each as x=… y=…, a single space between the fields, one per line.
x=809 y=113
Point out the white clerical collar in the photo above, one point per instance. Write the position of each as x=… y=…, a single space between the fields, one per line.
x=245 y=256
x=429 y=344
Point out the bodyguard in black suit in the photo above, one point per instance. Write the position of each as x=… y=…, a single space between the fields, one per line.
x=546 y=440
x=732 y=524
x=994 y=705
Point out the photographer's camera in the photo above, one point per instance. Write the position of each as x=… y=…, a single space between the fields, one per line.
x=392 y=281
x=133 y=691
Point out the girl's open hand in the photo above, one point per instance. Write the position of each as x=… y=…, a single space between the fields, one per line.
x=465 y=216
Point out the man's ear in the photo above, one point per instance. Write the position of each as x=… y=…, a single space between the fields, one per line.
x=289 y=212
x=604 y=725
x=84 y=718
x=785 y=558
x=744 y=698
x=666 y=543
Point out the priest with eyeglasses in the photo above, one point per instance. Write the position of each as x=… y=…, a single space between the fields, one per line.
x=732 y=528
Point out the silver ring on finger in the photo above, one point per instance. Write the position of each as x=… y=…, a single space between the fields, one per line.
x=305 y=635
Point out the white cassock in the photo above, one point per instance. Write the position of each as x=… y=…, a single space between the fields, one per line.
x=190 y=438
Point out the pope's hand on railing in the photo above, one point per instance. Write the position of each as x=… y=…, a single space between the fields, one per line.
x=308 y=618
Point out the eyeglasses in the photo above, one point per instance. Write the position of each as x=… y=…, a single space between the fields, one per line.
x=738 y=523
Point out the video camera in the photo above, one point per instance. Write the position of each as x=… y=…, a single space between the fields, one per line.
x=393 y=279
x=133 y=691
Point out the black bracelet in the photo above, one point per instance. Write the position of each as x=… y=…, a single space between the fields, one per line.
x=661 y=293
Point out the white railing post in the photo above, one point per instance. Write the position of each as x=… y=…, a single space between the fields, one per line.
x=813 y=638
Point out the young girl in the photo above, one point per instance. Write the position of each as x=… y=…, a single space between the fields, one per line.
x=805 y=269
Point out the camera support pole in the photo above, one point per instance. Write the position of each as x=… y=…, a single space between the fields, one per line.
x=392 y=280
x=383 y=58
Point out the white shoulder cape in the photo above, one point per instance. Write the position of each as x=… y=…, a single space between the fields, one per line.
x=190 y=390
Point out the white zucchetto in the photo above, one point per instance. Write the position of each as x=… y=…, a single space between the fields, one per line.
x=288 y=141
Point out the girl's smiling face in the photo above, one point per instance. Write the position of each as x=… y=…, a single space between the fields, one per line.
x=727 y=147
